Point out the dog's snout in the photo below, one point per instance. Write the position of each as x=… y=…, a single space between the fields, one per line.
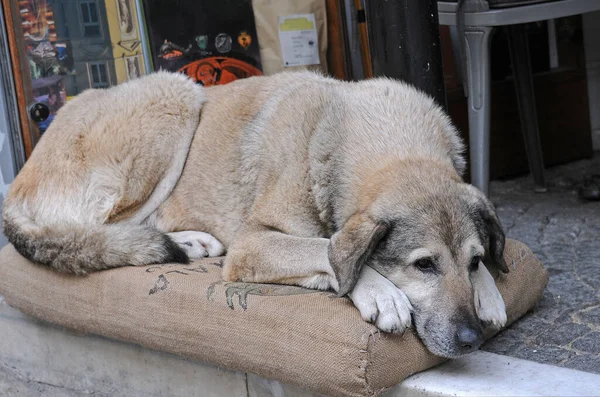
x=468 y=338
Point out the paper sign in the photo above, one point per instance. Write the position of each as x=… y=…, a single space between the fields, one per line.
x=298 y=38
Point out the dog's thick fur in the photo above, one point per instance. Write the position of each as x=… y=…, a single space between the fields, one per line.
x=306 y=180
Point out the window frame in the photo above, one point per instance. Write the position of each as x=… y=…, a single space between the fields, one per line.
x=97 y=65
x=84 y=24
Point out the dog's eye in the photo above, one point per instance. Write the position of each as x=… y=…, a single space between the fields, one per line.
x=425 y=265
x=474 y=263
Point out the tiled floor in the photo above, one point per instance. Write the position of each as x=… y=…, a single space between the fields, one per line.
x=564 y=232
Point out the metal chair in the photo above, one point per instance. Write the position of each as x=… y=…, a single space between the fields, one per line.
x=481 y=17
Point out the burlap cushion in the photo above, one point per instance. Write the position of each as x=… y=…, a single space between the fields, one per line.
x=308 y=338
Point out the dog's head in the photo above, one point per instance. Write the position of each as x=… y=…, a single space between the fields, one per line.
x=428 y=234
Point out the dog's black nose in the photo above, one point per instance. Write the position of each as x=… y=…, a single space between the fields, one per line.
x=468 y=338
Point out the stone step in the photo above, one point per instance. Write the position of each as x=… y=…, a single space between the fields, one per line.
x=38 y=359
x=43 y=354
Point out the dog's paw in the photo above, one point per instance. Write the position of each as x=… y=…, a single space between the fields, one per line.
x=381 y=302
x=198 y=244
x=489 y=304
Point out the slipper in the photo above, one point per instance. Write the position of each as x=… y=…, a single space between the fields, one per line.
x=590 y=188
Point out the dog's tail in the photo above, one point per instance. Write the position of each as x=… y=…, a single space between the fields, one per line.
x=81 y=249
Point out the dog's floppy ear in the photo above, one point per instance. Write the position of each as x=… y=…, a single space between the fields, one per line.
x=351 y=246
x=487 y=221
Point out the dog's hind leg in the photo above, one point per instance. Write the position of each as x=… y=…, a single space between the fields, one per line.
x=197 y=244
x=489 y=304
x=107 y=162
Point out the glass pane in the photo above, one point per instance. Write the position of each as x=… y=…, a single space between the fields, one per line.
x=94 y=74
x=93 y=12
x=85 y=12
x=72 y=45
x=103 y=76
x=92 y=31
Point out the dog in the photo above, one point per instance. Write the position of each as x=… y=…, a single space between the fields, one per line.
x=350 y=186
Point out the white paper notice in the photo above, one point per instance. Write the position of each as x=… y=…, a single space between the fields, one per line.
x=298 y=38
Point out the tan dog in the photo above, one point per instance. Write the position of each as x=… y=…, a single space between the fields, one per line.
x=306 y=180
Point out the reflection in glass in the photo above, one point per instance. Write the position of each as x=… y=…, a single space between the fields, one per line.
x=74 y=45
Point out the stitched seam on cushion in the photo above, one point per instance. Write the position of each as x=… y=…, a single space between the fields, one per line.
x=366 y=362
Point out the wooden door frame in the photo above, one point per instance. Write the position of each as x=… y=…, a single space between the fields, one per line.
x=20 y=68
x=337 y=45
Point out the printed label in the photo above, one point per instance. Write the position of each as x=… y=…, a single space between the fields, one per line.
x=299 y=41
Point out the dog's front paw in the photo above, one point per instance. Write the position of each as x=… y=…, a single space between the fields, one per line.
x=198 y=244
x=381 y=302
x=489 y=304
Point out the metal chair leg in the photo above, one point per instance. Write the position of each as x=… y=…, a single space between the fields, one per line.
x=521 y=63
x=479 y=92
